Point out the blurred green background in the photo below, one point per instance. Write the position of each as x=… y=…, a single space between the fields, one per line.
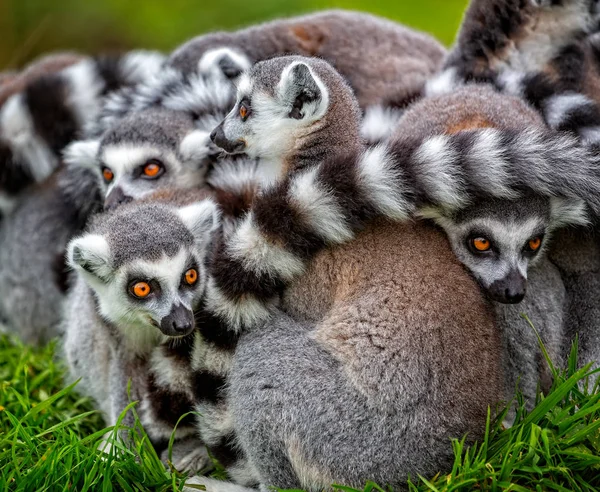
x=29 y=28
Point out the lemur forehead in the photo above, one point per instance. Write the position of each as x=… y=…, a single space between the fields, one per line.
x=166 y=268
x=506 y=210
x=146 y=231
x=158 y=126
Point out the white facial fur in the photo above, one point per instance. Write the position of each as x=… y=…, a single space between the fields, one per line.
x=269 y=132
x=139 y=320
x=183 y=169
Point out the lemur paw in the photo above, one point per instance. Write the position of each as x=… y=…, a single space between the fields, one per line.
x=188 y=457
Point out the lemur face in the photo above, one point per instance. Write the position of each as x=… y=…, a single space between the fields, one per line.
x=146 y=266
x=144 y=152
x=278 y=101
x=497 y=240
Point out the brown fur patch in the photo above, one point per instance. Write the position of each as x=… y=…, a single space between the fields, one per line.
x=471 y=123
x=310 y=38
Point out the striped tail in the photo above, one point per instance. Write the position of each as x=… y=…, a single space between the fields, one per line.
x=207 y=100
x=327 y=205
x=53 y=109
x=563 y=110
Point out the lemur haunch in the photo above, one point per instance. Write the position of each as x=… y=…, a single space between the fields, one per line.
x=37 y=122
x=331 y=187
x=357 y=44
x=140 y=273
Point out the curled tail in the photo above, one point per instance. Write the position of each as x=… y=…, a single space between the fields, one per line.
x=292 y=221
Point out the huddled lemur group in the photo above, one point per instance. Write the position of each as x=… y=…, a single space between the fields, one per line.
x=315 y=236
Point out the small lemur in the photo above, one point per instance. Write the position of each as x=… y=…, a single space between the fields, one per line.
x=357 y=44
x=140 y=273
x=51 y=109
x=299 y=116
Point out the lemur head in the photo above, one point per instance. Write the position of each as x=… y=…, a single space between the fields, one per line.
x=145 y=263
x=291 y=109
x=144 y=151
x=497 y=240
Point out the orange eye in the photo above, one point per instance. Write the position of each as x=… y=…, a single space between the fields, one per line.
x=191 y=276
x=244 y=112
x=152 y=169
x=141 y=290
x=535 y=243
x=481 y=244
x=107 y=174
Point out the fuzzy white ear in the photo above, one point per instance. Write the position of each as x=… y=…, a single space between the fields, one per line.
x=196 y=146
x=302 y=90
x=568 y=212
x=202 y=219
x=82 y=153
x=90 y=254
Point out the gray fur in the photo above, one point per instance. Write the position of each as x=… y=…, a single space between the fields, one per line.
x=546 y=306
x=33 y=241
x=157 y=134
x=356 y=43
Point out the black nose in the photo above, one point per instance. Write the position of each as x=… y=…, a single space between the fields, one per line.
x=510 y=289
x=115 y=198
x=179 y=322
x=219 y=139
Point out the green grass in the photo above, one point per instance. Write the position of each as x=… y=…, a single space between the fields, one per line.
x=50 y=438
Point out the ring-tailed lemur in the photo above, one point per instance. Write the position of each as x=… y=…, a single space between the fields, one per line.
x=332 y=186
x=140 y=273
x=359 y=45
x=564 y=87
x=37 y=122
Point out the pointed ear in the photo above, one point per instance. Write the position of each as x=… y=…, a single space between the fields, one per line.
x=83 y=153
x=202 y=219
x=301 y=89
x=229 y=62
x=90 y=254
x=196 y=146
x=568 y=212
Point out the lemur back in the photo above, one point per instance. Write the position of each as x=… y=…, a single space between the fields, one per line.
x=358 y=45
